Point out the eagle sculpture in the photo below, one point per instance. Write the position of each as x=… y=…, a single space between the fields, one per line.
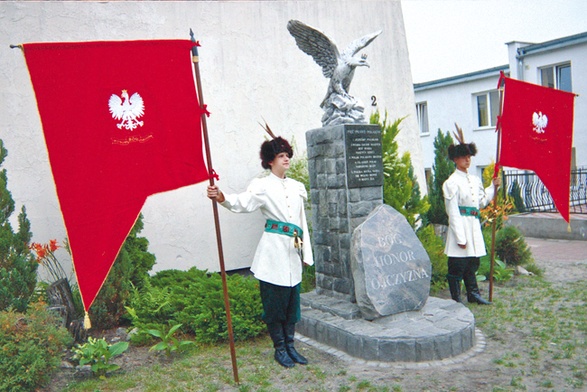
x=339 y=106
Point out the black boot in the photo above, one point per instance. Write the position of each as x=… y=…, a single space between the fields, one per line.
x=281 y=355
x=454 y=284
x=290 y=330
x=473 y=295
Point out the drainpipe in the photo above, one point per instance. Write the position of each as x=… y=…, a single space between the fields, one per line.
x=520 y=63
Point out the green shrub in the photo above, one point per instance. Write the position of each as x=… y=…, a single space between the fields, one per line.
x=97 y=353
x=516 y=194
x=511 y=246
x=31 y=345
x=195 y=299
x=501 y=272
x=400 y=186
x=442 y=169
x=435 y=248
x=18 y=268
x=131 y=267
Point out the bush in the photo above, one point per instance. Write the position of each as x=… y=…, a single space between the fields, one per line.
x=442 y=169
x=131 y=267
x=18 y=269
x=435 y=248
x=400 y=186
x=31 y=344
x=511 y=247
x=194 y=298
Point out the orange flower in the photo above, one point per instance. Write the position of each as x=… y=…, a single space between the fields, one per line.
x=53 y=246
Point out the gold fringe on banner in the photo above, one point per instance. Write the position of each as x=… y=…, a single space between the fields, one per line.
x=87 y=323
x=569 y=227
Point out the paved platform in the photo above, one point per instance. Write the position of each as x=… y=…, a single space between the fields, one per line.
x=550 y=225
x=441 y=329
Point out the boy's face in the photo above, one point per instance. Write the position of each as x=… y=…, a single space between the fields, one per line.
x=463 y=163
x=280 y=164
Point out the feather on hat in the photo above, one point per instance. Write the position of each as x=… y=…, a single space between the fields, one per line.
x=462 y=149
x=270 y=148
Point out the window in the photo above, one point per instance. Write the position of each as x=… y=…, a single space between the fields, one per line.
x=558 y=76
x=422 y=113
x=487 y=108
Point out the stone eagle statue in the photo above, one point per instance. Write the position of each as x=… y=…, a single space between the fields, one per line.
x=339 y=106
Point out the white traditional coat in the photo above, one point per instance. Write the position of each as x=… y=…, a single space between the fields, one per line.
x=276 y=260
x=464 y=190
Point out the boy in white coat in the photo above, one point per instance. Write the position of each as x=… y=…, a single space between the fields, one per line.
x=464 y=195
x=284 y=245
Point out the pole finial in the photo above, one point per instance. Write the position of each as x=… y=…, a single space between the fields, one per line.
x=195 y=47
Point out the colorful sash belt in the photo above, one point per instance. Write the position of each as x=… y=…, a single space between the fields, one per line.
x=285 y=228
x=470 y=211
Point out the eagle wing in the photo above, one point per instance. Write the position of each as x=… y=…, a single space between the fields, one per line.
x=314 y=43
x=115 y=105
x=137 y=106
x=358 y=44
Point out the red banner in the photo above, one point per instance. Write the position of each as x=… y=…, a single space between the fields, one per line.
x=537 y=135
x=121 y=122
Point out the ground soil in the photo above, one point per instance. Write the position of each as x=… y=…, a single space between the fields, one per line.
x=478 y=372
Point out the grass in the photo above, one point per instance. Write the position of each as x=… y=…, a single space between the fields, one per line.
x=540 y=326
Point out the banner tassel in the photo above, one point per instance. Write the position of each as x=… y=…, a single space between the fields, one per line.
x=87 y=323
x=569 y=227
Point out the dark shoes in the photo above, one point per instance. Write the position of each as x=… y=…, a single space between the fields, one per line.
x=475 y=297
x=283 y=358
x=283 y=342
x=290 y=331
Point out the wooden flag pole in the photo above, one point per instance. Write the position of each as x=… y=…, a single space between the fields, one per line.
x=195 y=61
x=495 y=188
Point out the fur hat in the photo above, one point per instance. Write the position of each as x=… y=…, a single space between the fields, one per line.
x=462 y=149
x=271 y=148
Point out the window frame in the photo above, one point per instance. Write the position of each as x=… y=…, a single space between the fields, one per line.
x=492 y=110
x=556 y=72
x=422 y=107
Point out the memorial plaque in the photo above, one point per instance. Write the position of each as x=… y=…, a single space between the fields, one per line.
x=391 y=269
x=363 y=157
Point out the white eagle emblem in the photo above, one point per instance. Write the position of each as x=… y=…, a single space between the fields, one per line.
x=540 y=122
x=128 y=110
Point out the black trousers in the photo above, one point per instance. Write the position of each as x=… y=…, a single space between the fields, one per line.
x=463 y=267
x=281 y=304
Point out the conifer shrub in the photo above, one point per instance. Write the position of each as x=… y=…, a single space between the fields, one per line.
x=441 y=170
x=130 y=268
x=511 y=247
x=400 y=186
x=18 y=268
x=31 y=345
x=516 y=194
x=194 y=298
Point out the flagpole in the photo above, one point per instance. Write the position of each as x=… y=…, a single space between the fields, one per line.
x=195 y=61
x=495 y=189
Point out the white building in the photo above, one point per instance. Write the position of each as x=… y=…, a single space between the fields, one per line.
x=472 y=100
x=251 y=70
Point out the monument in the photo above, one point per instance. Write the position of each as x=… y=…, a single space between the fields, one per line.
x=372 y=275
x=390 y=267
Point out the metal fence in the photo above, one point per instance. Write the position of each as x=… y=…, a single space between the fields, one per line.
x=530 y=194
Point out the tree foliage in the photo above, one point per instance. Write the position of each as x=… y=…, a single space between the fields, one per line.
x=441 y=170
x=18 y=269
x=400 y=186
x=130 y=269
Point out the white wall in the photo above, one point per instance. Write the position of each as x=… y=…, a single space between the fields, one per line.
x=452 y=104
x=251 y=68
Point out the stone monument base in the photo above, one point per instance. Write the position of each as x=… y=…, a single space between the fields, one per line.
x=441 y=329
